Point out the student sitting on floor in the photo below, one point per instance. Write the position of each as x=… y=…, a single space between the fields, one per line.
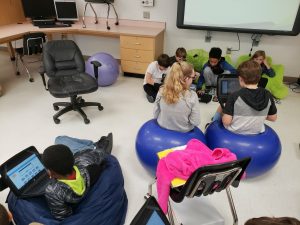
x=273 y=221
x=215 y=66
x=261 y=59
x=180 y=56
x=154 y=76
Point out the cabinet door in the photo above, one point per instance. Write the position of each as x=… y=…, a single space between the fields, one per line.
x=11 y=11
x=134 y=67
x=137 y=55
x=141 y=43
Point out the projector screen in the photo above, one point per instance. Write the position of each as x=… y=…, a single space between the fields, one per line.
x=245 y=16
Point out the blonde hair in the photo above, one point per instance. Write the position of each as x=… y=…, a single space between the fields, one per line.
x=174 y=84
x=258 y=54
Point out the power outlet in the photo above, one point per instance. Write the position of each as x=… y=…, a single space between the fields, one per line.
x=228 y=51
x=146 y=15
x=148 y=3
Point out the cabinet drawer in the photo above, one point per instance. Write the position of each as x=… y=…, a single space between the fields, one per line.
x=137 y=42
x=137 y=55
x=134 y=67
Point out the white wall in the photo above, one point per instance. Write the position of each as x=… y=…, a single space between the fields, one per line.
x=283 y=49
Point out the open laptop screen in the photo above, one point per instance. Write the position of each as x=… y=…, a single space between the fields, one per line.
x=25 y=171
x=229 y=86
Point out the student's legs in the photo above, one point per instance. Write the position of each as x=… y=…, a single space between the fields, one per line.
x=263 y=82
x=218 y=114
x=75 y=144
x=152 y=89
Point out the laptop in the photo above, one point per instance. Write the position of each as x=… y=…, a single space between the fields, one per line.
x=25 y=174
x=150 y=214
x=226 y=85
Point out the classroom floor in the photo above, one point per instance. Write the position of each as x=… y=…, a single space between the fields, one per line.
x=26 y=119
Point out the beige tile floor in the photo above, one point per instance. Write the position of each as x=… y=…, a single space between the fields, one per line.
x=26 y=119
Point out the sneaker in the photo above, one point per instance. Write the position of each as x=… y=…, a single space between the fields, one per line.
x=150 y=98
x=215 y=99
x=105 y=143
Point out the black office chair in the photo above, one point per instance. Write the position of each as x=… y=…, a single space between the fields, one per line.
x=108 y=2
x=208 y=180
x=65 y=67
x=32 y=45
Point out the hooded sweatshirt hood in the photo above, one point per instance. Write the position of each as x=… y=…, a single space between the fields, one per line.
x=257 y=99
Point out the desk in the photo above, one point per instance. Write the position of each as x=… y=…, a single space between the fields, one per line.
x=141 y=41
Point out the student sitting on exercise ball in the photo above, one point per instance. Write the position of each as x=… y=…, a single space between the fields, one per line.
x=247 y=109
x=176 y=106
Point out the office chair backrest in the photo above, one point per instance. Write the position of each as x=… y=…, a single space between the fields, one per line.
x=33 y=43
x=209 y=179
x=62 y=57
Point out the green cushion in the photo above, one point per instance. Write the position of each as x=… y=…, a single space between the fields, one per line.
x=275 y=84
x=197 y=57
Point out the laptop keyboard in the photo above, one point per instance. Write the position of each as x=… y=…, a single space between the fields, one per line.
x=54 y=25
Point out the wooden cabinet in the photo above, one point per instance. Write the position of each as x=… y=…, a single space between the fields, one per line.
x=137 y=52
x=11 y=11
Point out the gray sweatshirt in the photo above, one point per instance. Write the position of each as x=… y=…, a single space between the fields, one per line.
x=182 y=116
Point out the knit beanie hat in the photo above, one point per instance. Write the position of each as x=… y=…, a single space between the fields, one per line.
x=215 y=53
x=58 y=158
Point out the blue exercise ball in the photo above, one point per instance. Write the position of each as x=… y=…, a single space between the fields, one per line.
x=152 y=138
x=107 y=73
x=264 y=148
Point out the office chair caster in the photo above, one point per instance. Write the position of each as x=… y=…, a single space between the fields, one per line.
x=100 y=108
x=57 y=121
x=86 y=121
x=18 y=73
x=55 y=107
x=31 y=80
x=117 y=23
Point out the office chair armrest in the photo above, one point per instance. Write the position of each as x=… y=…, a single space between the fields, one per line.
x=96 y=65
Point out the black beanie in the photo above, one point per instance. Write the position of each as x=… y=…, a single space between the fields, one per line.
x=58 y=158
x=215 y=53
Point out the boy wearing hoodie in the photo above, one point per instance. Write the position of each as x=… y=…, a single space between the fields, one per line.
x=247 y=109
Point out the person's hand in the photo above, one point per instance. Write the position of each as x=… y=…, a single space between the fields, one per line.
x=266 y=63
x=200 y=92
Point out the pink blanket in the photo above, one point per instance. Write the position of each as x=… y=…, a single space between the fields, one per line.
x=181 y=164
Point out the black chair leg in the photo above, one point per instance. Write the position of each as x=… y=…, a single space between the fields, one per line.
x=82 y=113
x=85 y=104
x=63 y=111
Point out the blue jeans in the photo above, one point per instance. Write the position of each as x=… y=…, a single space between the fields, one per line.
x=217 y=117
x=75 y=144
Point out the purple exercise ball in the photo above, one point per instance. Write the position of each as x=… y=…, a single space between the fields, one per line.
x=107 y=73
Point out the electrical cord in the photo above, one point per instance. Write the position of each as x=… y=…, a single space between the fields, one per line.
x=254 y=37
x=236 y=50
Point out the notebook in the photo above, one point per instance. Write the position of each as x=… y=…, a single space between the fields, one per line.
x=25 y=174
x=226 y=85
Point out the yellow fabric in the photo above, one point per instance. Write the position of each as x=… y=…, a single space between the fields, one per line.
x=77 y=185
x=176 y=182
